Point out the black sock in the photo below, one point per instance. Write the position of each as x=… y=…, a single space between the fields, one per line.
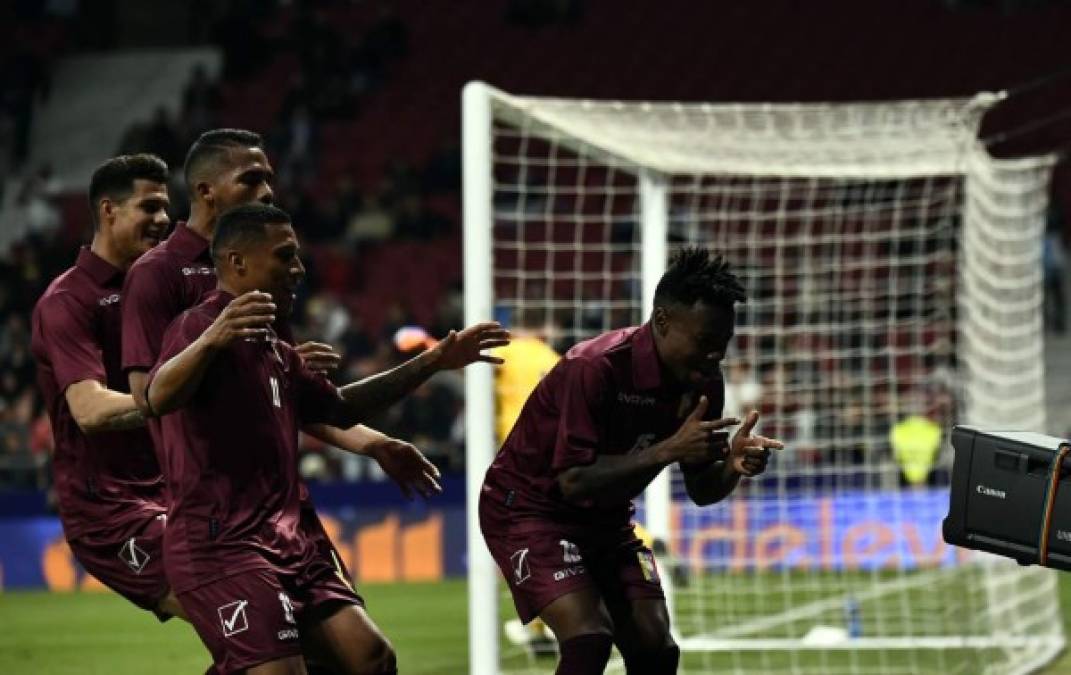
x=584 y=654
x=653 y=662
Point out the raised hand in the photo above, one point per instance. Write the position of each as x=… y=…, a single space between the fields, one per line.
x=249 y=315
x=407 y=467
x=458 y=350
x=749 y=453
x=695 y=442
x=318 y=356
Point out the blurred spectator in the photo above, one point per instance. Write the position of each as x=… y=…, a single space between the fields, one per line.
x=415 y=221
x=26 y=80
x=373 y=222
x=314 y=217
x=427 y=419
x=297 y=144
x=162 y=139
x=443 y=172
x=355 y=342
x=35 y=204
x=916 y=441
x=201 y=102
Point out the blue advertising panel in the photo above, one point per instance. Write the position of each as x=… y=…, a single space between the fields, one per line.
x=382 y=538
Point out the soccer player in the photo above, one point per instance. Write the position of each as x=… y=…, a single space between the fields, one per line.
x=246 y=571
x=555 y=507
x=226 y=168
x=108 y=482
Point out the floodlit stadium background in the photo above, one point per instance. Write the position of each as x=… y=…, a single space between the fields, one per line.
x=360 y=106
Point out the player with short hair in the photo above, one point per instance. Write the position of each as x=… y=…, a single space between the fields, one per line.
x=555 y=508
x=225 y=168
x=251 y=579
x=108 y=482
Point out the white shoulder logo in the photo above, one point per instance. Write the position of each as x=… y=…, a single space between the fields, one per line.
x=275 y=398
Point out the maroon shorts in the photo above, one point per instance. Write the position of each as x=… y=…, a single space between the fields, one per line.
x=544 y=561
x=132 y=566
x=314 y=530
x=256 y=616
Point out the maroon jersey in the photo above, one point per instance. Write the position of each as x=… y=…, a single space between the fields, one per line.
x=108 y=481
x=607 y=396
x=231 y=456
x=162 y=284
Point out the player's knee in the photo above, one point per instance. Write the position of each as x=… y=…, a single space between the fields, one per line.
x=585 y=654
x=653 y=660
x=381 y=659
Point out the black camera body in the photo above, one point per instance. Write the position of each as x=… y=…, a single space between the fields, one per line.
x=1000 y=488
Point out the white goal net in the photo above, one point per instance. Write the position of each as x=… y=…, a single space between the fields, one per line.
x=893 y=275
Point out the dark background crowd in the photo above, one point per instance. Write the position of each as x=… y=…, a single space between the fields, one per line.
x=358 y=101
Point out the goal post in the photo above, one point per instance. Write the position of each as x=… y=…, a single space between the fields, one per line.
x=893 y=276
x=479 y=383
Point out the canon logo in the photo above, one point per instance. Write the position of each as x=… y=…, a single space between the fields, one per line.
x=991 y=492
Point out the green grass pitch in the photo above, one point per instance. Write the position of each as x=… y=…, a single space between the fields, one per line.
x=96 y=633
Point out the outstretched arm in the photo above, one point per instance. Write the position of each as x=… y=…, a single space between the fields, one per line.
x=403 y=462
x=375 y=394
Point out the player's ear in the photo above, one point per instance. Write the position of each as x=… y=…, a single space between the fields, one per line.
x=105 y=211
x=660 y=320
x=236 y=261
x=203 y=190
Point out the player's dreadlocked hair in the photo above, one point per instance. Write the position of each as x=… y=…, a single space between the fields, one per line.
x=115 y=178
x=695 y=274
x=211 y=146
x=244 y=225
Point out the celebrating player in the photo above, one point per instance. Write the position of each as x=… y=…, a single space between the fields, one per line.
x=555 y=508
x=226 y=168
x=248 y=574
x=108 y=482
